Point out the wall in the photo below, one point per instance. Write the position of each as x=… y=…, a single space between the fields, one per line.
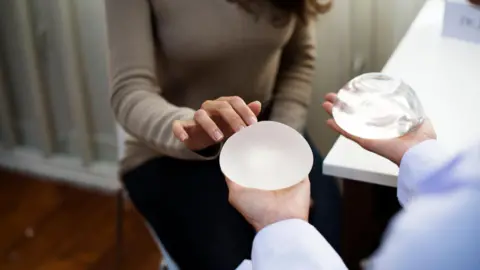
x=88 y=21
x=332 y=68
x=14 y=66
x=53 y=54
x=90 y=16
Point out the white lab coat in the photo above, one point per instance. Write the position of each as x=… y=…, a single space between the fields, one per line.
x=439 y=227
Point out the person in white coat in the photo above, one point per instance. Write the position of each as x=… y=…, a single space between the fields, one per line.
x=438 y=228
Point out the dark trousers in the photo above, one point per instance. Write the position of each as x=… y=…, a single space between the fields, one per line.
x=186 y=204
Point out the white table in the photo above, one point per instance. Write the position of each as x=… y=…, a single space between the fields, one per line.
x=445 y=74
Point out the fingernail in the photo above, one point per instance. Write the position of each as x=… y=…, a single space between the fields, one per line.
x=218 y=135
x=183 y=137
x=252 y=120
x=240 y=127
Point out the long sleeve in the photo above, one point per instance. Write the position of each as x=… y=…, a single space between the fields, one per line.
x=293 y=244
x=439 y=226
x=294 y=80
x=411 y=175
x=136 y=95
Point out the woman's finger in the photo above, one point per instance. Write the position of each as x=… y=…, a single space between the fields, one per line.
x=246 y=112
x=256 y=107
x=243 y=110
x=204 y=120
x=226 y=111
x=179 y=131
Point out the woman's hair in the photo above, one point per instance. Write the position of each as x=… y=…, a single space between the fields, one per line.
x=303 y=9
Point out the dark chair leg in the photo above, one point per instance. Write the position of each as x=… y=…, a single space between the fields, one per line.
x=119 y=229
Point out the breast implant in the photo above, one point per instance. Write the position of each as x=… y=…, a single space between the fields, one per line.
x=377 y=106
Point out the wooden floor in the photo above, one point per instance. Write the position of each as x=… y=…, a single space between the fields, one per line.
x=46 y=225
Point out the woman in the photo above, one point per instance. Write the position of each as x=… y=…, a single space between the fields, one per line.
x=185 y=75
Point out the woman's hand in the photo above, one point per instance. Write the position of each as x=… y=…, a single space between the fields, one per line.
x=216 y=120
x=392 y=149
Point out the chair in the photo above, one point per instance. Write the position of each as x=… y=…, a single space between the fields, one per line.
x=167 y=261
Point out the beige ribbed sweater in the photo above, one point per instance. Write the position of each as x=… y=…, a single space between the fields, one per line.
x=167 y=57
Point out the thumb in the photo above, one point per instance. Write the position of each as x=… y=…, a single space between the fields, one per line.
x=232 y=186
x=256 y=107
